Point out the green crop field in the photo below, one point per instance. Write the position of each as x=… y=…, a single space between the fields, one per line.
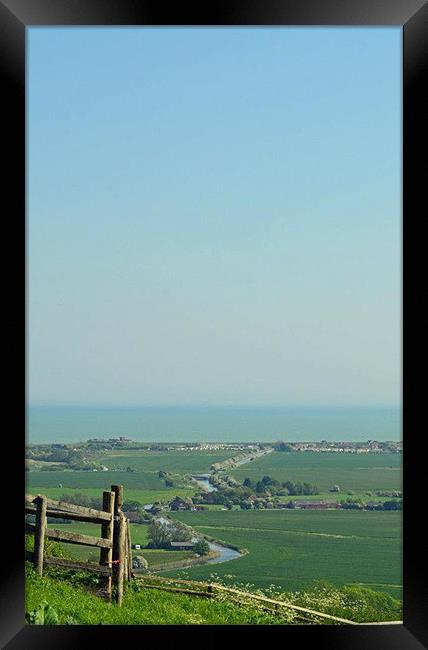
x=99 y=480
x=356 y=472
x=181 y=462
x=144 y=487
x=141 y=496
x=291 y=549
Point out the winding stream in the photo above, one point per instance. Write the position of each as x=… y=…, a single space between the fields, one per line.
x=203 y=480
x=225 y=554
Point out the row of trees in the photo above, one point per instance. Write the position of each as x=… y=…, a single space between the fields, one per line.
x=359 y=504
x=249 y=494
x=285 y=488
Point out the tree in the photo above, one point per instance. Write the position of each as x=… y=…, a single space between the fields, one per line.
x=248 y=483
x=393 y=505
x=202 y=547
x=159 y=535
x=179 y=532
x=267 y=480
x=260 y=487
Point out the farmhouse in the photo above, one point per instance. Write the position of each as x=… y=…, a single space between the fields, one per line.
x=182 y=546
x=178 y=503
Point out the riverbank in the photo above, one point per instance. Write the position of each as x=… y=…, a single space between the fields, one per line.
x=182 y=564
x=219 y=551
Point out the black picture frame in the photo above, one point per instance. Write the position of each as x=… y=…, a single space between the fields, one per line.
x=412 y=16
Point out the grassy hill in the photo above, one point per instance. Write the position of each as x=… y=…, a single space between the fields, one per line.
x=77 y=603
x=74 y=600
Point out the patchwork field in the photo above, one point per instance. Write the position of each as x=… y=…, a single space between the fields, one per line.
x=287 y=548
x=356 y=472
x=142 y=484
x=291 y=549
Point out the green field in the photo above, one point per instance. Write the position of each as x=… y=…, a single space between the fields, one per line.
x=144 y=487
x=291 y=549
x=356 y=472
x=142 y=496
x=181 y=462
x=99 y=480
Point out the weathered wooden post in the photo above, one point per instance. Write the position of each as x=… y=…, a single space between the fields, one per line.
x=106 y=554
x=39 y=533
x=118 y=555
x=129 y=546
x=121 y=558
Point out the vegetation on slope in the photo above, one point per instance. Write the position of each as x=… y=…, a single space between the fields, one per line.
x=74 y=603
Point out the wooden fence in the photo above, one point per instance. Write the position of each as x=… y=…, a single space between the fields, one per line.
x=213 y=590
x=115 y=564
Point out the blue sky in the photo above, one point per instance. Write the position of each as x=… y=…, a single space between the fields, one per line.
x=214 y=216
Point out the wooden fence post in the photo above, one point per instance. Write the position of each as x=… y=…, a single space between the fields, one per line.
x=129 y=547
x=118 y=500
x=121 y=558
x=39 y=533
x=107 y=532
x=118 y=554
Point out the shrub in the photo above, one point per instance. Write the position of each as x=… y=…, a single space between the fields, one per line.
x=43 y=615
x=202 y=547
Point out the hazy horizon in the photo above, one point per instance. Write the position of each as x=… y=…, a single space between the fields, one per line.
x=49 y=424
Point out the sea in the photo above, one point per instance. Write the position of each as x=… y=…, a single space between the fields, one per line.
x=63 y=424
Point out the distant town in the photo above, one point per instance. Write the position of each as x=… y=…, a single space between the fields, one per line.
x=122 y=442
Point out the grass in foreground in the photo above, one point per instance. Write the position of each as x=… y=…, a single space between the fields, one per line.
x=74 y=603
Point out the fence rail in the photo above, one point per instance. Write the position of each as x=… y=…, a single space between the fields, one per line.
x=211 y=590
x=115 y=564
x=62 y=508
